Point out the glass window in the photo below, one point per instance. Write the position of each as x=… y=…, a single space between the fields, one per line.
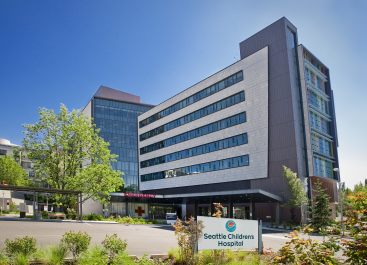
x=239 y=118
x=193 y=116
x=200 y=168
x=200 y=95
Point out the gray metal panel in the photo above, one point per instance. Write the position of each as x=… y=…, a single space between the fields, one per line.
x=265 y=37
x=282 y=131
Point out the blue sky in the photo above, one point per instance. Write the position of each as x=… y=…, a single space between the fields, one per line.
x=54 y=52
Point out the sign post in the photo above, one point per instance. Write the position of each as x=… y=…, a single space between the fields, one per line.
x=260 y=246
x=226 y=233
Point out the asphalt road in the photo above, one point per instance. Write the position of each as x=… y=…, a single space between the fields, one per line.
x=142 y=239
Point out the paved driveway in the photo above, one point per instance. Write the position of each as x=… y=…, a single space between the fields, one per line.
x=149 y=239
x=141 y=239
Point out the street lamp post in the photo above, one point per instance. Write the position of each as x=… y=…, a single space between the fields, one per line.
x=341 y=199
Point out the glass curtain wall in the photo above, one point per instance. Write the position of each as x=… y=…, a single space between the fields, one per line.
x=117 y=122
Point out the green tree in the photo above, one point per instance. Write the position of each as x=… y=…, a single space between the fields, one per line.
x=296 y=193
x=321 y=211
x=12 y=173
x=68 y=154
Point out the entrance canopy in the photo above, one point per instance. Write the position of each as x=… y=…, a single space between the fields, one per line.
x=235 y=196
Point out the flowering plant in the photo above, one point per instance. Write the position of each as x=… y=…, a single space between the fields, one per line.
x=24 y=245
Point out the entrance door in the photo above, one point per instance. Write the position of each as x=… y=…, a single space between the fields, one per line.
x=241 y=212
x=159 y=211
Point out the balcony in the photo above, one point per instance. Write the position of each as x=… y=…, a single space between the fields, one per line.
x=314 y=69
x=317 y=91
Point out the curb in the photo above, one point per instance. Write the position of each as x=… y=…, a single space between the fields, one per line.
x=71 y=221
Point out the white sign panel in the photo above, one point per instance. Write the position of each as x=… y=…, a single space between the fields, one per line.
x=22 y=207
x=225 y=233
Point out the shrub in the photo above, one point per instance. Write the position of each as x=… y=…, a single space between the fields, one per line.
x=271 y=224
x=93 y=217
x=51 y=255
x=71 y=216
x=44 y=215
x=3 y=257
x=57 y=254
x=284 y=224
x=77 y=243
x=307 y=251
x=13 y=207
x=20 y=259
x=113 y=245
x=276 y=224
x=187 y=237
x=95 y=256
x=356 y=250
x=25 y=245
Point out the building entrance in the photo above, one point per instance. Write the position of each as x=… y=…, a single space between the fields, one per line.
x=159 y=211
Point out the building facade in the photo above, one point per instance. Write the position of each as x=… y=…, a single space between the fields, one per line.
x=115 y=115
x=7 y=148
x=227 y=138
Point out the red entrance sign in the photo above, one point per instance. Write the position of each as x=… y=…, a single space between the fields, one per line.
x=139 y=211
x=140 y=195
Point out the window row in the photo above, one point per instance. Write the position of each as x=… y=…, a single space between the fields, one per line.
x=314 y=79
x=120 y=105
x=115 y=113
x=314 y=63
x=321 y=145
x=213 y=127
x=323 y=168
x=224 y=103
x=2 y=152
x=202 y=149
x=319 y=123
x=190 y=100
x=317 y=101
x=234 y=162
x=115 y=125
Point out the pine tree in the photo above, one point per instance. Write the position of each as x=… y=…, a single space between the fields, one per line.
x=321 y=211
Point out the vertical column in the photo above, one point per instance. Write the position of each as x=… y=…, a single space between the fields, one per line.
x=34 y=205
x=149 y=211
x=81 y=206
x=230 y=207
x=212 y=207
x=252 y=210
x=196 y=209
x=183 y=209
x=277 y=212
x=126 y=207
x=77 y=207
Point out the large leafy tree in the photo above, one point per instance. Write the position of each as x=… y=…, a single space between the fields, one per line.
x=12 y=173
x=296 y=192
x=68 y=154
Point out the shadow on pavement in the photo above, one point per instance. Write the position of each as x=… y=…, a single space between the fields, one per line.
x=268 y=231
x=164 y=227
